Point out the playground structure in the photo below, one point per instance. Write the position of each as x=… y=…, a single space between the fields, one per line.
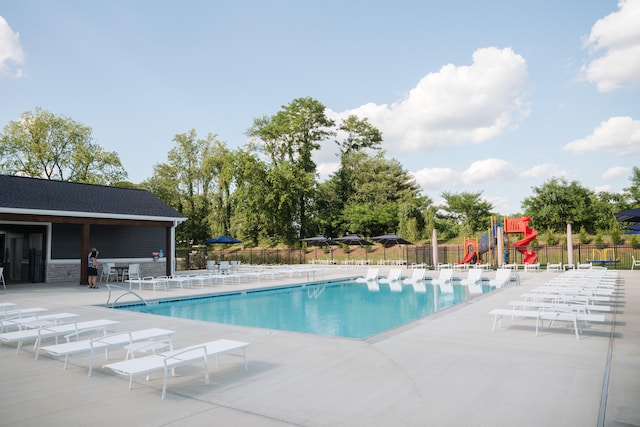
x=475 y=248
x=487 y=243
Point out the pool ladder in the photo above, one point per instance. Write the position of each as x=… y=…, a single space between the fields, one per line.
x=316 y=291
x=126 y=291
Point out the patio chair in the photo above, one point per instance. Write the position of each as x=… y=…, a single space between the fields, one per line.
x=417 y=276
x=503 y=277
x=446 y=276
x=172 y=359
x=108 y=270
x=634 y=263
x=474 y=276
x=131 y=272
x=372 y=275
x=67 y=330
x=395 y=274
x=111 y=341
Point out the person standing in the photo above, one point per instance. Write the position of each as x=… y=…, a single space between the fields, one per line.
x=92 y=268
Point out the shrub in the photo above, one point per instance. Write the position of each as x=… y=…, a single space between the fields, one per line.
x=583 y=237
x=551 y=238
x=634 y=242
x=599 y=240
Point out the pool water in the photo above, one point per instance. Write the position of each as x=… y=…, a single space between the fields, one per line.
x=346 y=309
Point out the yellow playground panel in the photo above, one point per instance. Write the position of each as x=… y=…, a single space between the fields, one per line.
x=603 y=254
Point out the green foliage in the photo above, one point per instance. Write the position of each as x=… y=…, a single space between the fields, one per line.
x=634 y=242
x=583 y=237
x=616 y=236
x=634 y=190
x=41 y=144
x=551 y=238
x=557 y=203
x=468 y=211
x=599 y=240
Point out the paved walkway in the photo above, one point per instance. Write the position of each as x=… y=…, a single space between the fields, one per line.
x=445 y=370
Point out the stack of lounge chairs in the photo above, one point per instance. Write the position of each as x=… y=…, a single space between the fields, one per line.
x=579 y=298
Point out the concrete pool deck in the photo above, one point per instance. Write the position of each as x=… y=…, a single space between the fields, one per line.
x=449 y=369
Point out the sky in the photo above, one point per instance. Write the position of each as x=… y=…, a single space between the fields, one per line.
x=497 y=96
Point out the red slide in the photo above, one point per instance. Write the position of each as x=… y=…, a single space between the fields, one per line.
x=470 y=246
x=521 y=225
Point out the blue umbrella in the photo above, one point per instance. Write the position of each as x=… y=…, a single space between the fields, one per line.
x=222 y=239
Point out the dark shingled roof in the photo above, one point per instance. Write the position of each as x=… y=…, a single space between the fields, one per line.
x=47 y=195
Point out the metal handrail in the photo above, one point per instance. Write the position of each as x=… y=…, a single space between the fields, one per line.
x=126 y=291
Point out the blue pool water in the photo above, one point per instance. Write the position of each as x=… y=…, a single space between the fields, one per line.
x=346 y=309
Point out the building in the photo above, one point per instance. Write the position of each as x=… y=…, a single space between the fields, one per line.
x=47 y=229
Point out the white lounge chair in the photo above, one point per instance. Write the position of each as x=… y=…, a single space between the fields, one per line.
x=35 y=321
x=107 y=342
x=445 y=276
x=634 y=263
x=372 y=275
x=552 y=315
x=395 y=275
x=172 y=359
x=66 y=329
x=12 y=314
x=417 y=276
x=554 y=267
x=503 y=277
x=473 y=276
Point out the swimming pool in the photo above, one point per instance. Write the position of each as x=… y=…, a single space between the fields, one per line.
x=346 y=309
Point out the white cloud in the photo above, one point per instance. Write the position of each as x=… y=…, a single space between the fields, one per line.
x=326 y=169
x=615 y=172
x=618 y=135
x=436 y=178
x=618 y=35
x=11 y=55
x=545 y=170
x=489 y=170
x=456 y=105
x=602 y=189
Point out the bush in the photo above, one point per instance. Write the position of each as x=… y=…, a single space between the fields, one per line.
x=616 y=236
x=634 y=242
x=551 y=238
x=583 y=237
x=599 y=240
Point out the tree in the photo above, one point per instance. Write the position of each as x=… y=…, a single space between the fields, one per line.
x=186 y=180
x=379 y=187
x=557 y=203
x=634 y=189
x=291 y=136
x=468 y=211
x=43 y=145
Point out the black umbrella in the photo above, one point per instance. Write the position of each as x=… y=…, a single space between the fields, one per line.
x=390 y=240
x=630 y=215
x=354 y=240
x=320 y=241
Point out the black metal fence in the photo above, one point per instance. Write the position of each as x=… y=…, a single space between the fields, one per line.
x=613 y=256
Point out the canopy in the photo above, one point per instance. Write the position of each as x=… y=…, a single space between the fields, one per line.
x=390 y=240
x=320 y=241
x=222 y=239
x=354 y=240
x=630 y=215
x=633 y=229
